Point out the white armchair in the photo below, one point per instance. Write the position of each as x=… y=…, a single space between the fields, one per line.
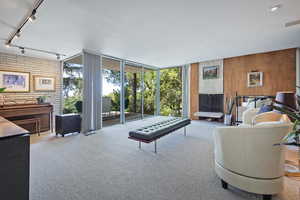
x=245 y=155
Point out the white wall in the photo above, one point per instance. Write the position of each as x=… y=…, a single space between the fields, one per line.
x=211 y=86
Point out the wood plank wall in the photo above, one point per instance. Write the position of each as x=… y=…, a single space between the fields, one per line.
x=278 y=67
x=194 y=90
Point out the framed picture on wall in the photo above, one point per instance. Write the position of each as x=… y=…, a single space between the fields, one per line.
x=255 y=79
x=210 y=72
x=15 y=81
x=44 y=83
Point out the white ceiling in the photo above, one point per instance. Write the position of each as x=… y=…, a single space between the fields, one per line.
x=154 y=32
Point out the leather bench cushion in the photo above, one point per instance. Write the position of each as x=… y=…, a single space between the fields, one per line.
x=159 y=129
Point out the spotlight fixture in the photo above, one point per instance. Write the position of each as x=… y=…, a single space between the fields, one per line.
x=22 y=50
x=18 y=34
x=57 y=56
x=8 y=44
x=32 y=16
x=275 y=7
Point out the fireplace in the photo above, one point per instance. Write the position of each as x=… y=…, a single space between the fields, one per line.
x=211 y=102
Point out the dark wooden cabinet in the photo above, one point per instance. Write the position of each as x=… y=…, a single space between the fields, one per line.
x=43 y=112
x=15 y=161
x=68 y=123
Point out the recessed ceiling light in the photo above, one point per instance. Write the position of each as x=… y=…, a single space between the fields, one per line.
x=275 y=7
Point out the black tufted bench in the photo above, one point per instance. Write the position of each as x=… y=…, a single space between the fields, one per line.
x=155 y=131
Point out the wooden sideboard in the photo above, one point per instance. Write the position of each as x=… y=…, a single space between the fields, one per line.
x=42 y=112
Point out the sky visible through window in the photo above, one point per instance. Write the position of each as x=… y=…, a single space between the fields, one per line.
x=108 y=87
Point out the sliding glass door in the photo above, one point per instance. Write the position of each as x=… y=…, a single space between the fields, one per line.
x=133 y=92
x=149 y=92
x=72 y=85
x=111 y=91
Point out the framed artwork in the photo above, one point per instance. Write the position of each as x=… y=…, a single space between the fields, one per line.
x=15 y=81
x=44 y=83
x=211 y=72
x=255 y=79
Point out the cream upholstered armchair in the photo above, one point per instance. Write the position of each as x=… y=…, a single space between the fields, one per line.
x=246 y=157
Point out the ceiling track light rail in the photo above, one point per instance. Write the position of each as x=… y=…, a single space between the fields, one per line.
x=31 y=17
x=58 y=55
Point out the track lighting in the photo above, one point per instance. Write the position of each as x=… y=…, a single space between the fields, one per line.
x=8 y=44
x=57 y=56
x=18 y=34
x=32 y=16
x=22 y=50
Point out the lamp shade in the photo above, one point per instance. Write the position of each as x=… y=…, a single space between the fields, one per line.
x=287 y=98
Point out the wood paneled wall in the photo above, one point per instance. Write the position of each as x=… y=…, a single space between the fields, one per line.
x=279 y=74
x=278 y=67
x=194 y=90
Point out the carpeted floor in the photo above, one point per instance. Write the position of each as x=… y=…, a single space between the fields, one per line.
x=109 y=166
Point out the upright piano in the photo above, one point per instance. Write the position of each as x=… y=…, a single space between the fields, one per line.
x=22 y=112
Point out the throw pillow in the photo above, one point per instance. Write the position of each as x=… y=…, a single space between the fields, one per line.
x=265 y=108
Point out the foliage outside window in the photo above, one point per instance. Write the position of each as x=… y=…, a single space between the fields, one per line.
x=171 y=92
x=72 y=86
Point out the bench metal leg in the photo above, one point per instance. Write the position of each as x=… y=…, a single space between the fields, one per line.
x=140 y=145
x=155 y=148
x=184 y=131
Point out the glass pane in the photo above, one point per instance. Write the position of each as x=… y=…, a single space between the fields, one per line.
x=149 y=92
x=133 y=92
x=171 y=92
x=111 y=92
x=73 y=85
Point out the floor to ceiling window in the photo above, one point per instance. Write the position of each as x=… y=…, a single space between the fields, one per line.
x=171 y=91
x=129 y=90
x=149 y=92
x=72 y=85
x=133 y=92
x=111 y=91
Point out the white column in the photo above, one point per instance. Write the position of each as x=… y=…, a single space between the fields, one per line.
x=92 y=111
x=185 y=83
x=122 y=95
x=298 y=70
x=143 y=90
x=157 y=94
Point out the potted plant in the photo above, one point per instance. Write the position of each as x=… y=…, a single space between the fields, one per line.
x=41 y=99
x=292 y=138
x=229 y=103
x=294 y=115
x=1 y=96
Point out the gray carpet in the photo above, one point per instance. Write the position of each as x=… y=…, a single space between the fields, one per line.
x=109 y=166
